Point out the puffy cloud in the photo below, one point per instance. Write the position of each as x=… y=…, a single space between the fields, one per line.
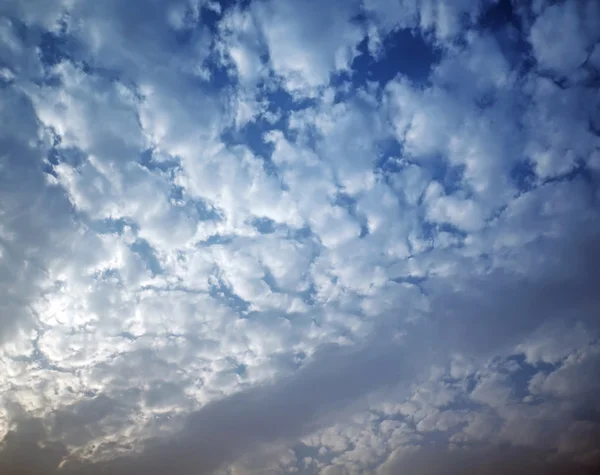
x=308 y=42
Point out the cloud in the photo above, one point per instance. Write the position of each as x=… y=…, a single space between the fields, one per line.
x=249 y=238
x=35 y=213
x=306 y=48
x=22 y=453
x=264 y=414
x=485 y=461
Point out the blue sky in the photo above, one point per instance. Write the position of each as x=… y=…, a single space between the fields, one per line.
x=333 y=237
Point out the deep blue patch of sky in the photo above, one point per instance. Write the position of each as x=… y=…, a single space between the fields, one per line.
x=251 y=135
x=499 y=14
x=404 y=52
x=524 y=176
x=264 y=225
x=505 y=20
x=520 y=378
x=148 y=161
x=220 y=291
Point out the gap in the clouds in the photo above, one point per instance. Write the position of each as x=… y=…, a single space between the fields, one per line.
x=498 y=14
x=304 y=452
x=223 y=293
x=176 y=193
x=269 y=279
x=431 y=230
x=450 y=176
x=224 y=5
x=388 y=162
x=208 y=18
x=204 y=210
x=300 y=234
x=264 y=225
x=276 y=116
x=91 y=68
x=410 y=279
x=523 y=176
x=403 y=52
x=107 y=274
x=504 y=20
x=40 y=358
x=462 y=402
x=252 y=136
x=347 y=202
x=392 y=161
x=280 y=105
x=471 y=383
x=54 y=48
x=241 y=370
x=580 y=171
x=309 y=296
x=113 y=225
x=144 y=250
x=219 y=75
x=417 y=281
x=281 y=101
x=215 y=240
x=520 y=378
x=109 y=225
x=128 y=336
x=50 y=162
x=147 y=160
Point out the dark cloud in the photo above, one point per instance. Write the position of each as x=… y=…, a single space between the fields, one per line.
x=228 y=428
x=225 y=429
x=491 y=312
x=487 y=319
x=483 y=461
x=26 y=451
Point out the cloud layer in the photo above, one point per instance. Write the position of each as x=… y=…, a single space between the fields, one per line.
x=314 y=237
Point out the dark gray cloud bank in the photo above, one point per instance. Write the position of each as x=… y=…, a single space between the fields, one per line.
x=334 y=238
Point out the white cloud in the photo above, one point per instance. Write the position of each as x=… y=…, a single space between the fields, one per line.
x=465 y=214
x=553 y=342
x=308 y=43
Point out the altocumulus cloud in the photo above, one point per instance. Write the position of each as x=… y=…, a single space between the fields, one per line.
x=315 y=237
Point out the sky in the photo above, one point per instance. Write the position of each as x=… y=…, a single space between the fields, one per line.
x=319 y=237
